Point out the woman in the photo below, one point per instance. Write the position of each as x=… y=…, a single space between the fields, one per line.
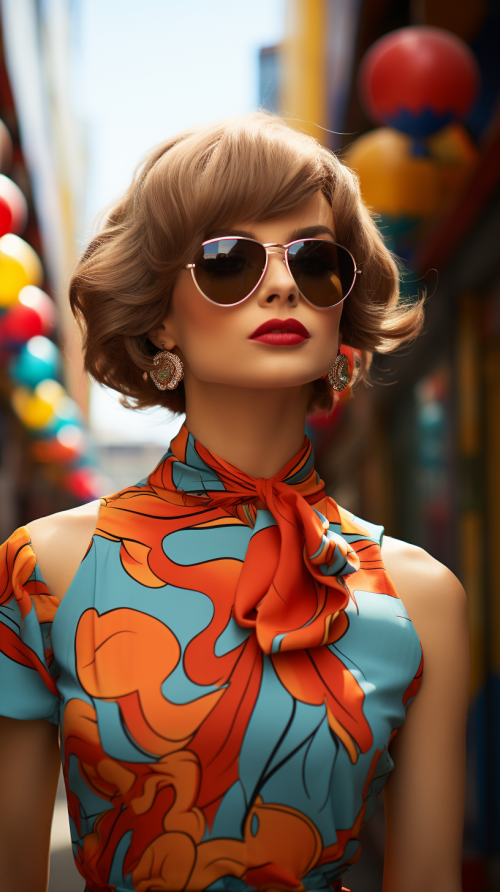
x=230 y=658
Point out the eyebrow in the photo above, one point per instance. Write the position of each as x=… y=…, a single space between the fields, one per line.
x=303 y=232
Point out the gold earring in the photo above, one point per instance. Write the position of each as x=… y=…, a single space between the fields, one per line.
x=338 y=375
x=169 y=370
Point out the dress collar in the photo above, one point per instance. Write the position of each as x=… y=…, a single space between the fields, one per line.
x=197 y=471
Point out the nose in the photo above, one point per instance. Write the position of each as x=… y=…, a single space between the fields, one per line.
x=277 y=287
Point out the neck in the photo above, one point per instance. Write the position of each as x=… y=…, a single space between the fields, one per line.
x=256 y=430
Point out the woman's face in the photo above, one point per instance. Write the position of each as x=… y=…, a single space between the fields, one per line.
x=215 y=343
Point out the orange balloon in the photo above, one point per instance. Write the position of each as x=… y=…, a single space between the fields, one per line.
x=393 y=180
x=66 y=446
x=19 y=266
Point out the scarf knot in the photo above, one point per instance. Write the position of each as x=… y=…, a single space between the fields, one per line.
x=262 y=488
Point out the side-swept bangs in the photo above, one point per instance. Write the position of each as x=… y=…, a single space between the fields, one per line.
x=251 y=167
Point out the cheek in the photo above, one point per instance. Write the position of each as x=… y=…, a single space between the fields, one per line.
x=324 y=325
x=332 y=320
x=199 y=325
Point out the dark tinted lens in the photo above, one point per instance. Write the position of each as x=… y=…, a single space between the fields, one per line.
x=324 y=272
x=227 y=270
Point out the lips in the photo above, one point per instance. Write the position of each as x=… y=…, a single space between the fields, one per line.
x=281 y=332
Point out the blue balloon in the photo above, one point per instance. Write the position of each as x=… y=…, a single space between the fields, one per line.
x=37 y=360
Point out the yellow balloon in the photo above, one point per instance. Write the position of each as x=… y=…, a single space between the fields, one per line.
x=394 y=181
x=50 y=391
x=34 y=411
x=19 y=266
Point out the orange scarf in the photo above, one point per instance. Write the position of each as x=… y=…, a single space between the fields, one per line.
x=290 y=588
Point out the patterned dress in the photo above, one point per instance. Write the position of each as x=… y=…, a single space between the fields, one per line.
x=226 y=679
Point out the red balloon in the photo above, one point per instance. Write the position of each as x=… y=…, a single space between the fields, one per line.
x=31 y=296
x=5 y=217
x=418 y=79
x=14 y=198
x=35 y=314
x=85 y=483
x=18 y=324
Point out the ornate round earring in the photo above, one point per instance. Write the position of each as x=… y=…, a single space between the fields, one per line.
x=338 y=375
x=169 y=370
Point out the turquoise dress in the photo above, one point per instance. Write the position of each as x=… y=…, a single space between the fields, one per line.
x=226 y=679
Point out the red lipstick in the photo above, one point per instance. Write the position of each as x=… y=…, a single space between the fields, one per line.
x=281 y=333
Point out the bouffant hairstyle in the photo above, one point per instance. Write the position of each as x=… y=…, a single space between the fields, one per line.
x=250 y=167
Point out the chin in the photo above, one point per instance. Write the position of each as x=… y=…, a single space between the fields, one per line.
x=272 y=372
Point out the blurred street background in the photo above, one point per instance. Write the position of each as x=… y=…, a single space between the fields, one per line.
x=407 y=93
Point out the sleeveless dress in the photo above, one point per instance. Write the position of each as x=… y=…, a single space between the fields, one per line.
x=227 y=679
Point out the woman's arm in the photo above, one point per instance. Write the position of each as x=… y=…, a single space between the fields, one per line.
x=424 y=795
x=29 y=750
x=29 y=772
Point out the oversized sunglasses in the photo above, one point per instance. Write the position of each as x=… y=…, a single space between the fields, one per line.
x=228 y=270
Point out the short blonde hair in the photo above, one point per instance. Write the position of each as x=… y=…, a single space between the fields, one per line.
x=250 y=167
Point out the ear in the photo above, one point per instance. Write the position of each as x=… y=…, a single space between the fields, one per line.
x=162 y=333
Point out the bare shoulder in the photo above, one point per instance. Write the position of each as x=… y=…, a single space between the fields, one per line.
x=424 y=796
x=60 y=542
x=426 y=587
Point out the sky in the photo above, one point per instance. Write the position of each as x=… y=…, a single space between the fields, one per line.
x=145 y=70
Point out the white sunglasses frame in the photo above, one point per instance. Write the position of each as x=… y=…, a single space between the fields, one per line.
x=228 y=238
